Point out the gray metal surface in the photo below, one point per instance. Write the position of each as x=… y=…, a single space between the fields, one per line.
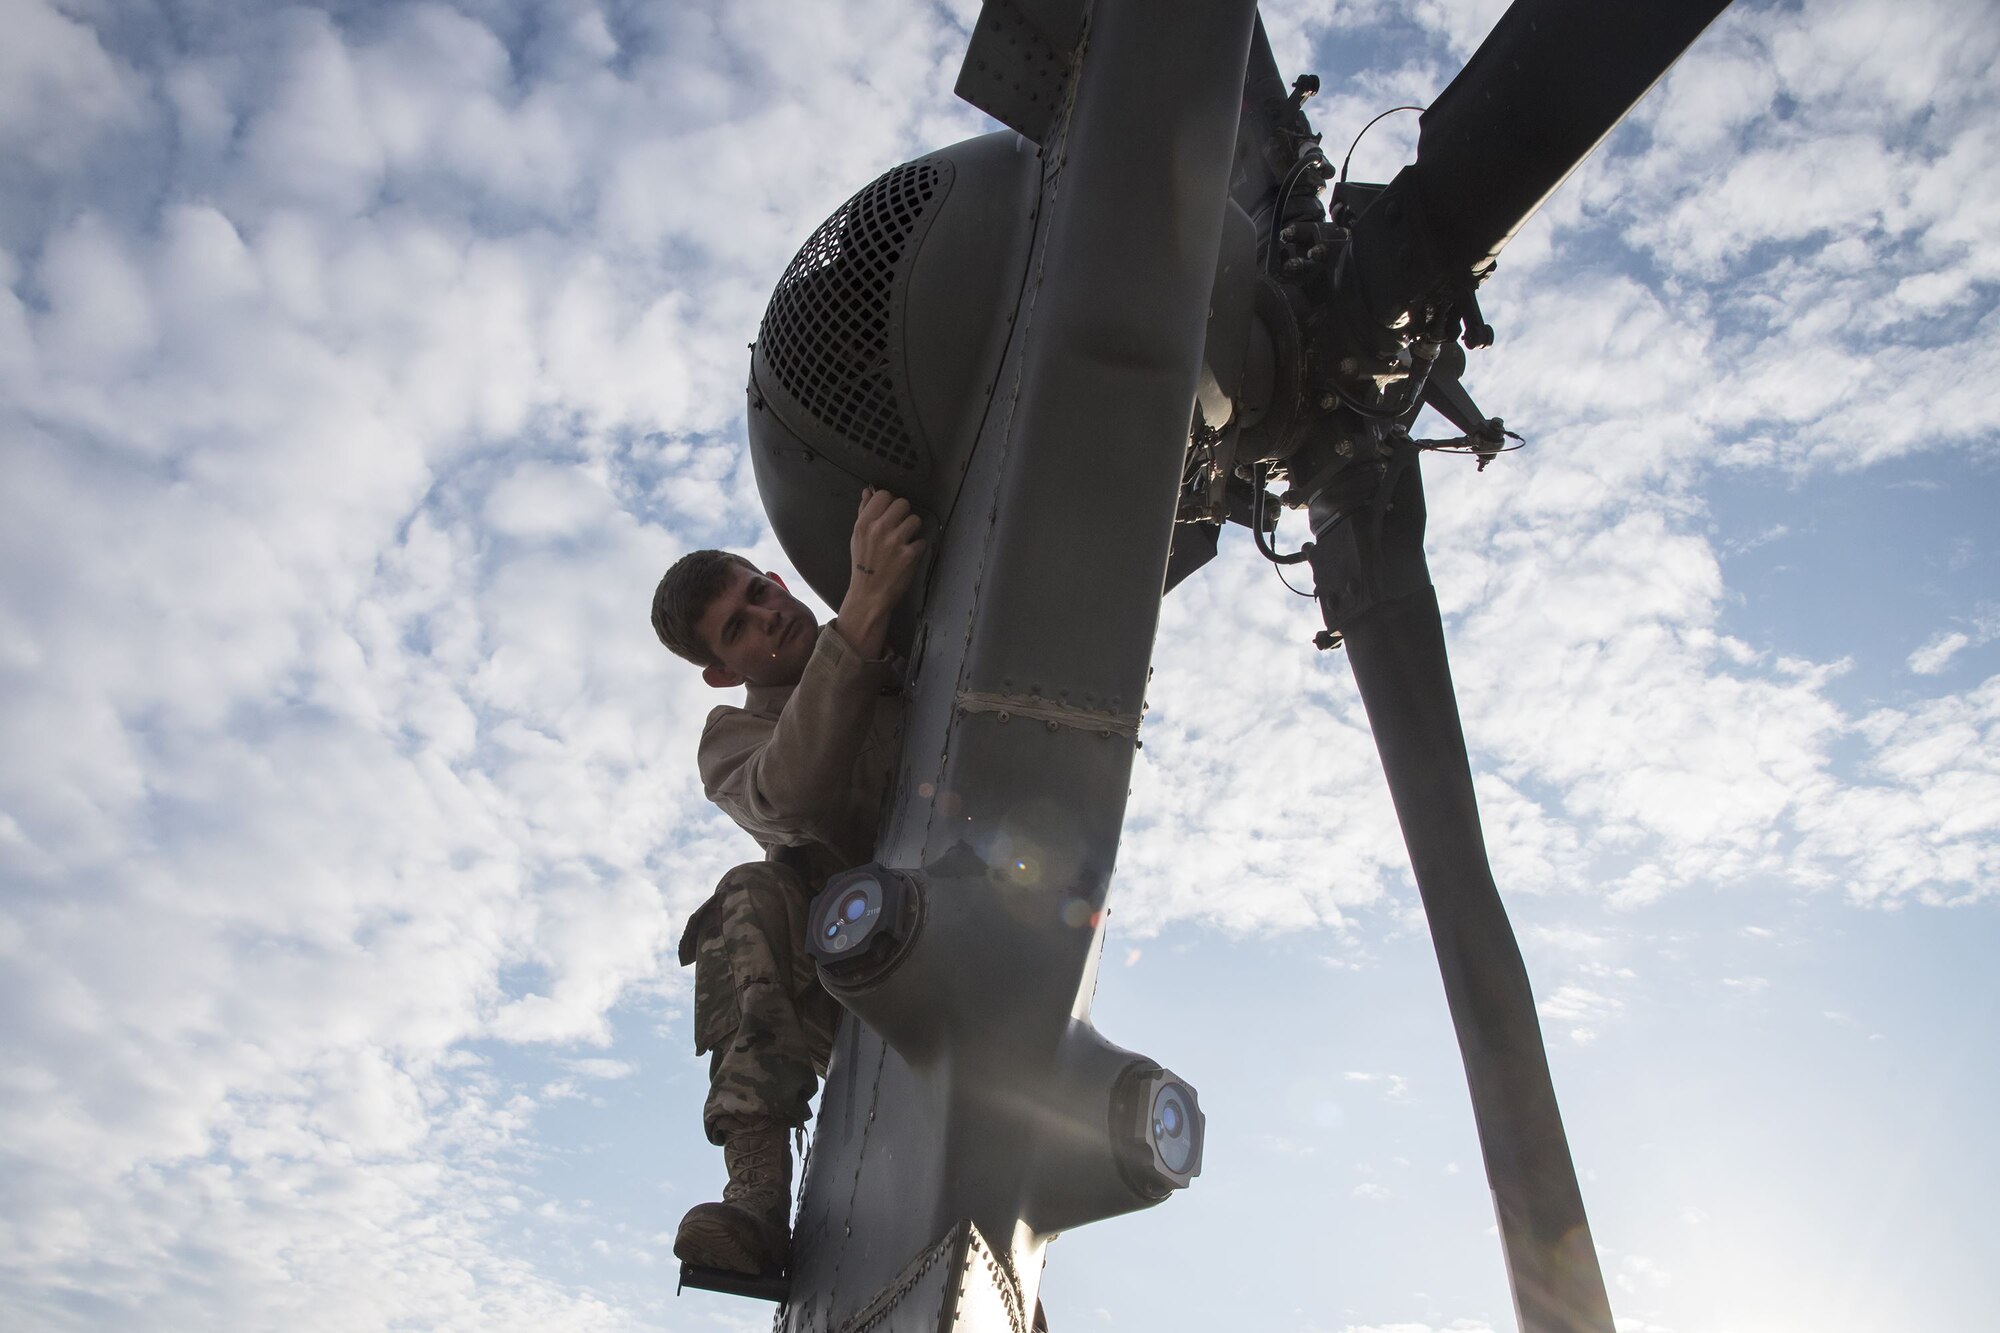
x=1020 y=61
x=1035 y=339
x=917 y=344
x=1014 y=822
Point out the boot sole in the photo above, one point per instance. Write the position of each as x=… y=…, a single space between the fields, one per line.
x=707 y=1244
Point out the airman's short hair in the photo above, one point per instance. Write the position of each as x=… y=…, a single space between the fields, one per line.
x=684 y=594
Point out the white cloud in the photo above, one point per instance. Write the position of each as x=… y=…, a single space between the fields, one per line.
x=1637 y=1274
x=336 y=739
x=1924 y=827
x=1395 y=1087
x=1582 y=1010
x=600 y=1068
x=358 y=377
x=1937 y=652
x=59 y=88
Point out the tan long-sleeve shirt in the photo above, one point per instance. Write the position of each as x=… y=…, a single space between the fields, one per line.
x=809 y=765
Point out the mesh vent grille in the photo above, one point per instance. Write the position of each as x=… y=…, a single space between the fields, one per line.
x=826 y=333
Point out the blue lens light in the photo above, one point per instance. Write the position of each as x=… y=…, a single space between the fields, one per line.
x=855 y=905
x=1173 y=1129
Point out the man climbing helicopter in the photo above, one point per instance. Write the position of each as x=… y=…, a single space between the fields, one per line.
x=801 y=767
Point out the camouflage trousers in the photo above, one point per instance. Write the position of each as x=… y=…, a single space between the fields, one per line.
x=759 y=1010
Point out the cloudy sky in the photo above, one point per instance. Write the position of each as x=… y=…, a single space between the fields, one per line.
x=362 y=366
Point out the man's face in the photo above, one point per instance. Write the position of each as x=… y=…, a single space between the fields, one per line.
x=758 y=632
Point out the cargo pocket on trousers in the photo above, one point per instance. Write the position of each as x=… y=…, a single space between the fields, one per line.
x=715 y=1014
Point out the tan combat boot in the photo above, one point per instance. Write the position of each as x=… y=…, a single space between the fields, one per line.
x=749 y=1231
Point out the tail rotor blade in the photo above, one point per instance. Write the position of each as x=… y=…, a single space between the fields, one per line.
x=1548 y=83
x=1551 y=80
x=1396 y=647
x=1398 y=656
